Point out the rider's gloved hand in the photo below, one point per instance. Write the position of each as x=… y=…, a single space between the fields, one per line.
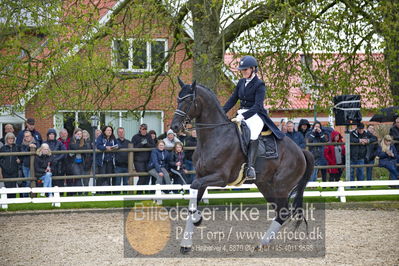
x=238 y=118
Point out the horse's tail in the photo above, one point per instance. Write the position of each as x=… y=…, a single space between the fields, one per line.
x=300 y=188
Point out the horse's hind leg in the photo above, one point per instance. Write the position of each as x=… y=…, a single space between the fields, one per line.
x=282 y=215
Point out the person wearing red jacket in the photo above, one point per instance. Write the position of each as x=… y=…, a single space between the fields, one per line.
x=334 y=155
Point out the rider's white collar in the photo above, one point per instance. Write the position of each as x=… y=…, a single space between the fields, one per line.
x=249 y=80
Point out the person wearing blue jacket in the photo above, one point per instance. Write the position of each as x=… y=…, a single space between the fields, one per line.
x=30 y=126
x=388 y=155
x=251 y=91
x=106 y=160
x=56 y=145
x=158 y=164
x=295 y=135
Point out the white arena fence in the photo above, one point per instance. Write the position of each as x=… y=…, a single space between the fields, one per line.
x=56 y=200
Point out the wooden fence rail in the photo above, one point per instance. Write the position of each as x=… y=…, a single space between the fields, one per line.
x=131 y=170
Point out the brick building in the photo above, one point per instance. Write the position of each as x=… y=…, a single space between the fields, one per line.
x=160 y=109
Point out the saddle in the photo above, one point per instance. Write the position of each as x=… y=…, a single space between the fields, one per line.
x=267 y=142
x=267 y=149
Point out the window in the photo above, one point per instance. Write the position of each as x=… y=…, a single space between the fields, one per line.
x=17 y=127
x=121 y=49
x=14 y=118
x=26 y=14
x=137 y=56
x=128 y=120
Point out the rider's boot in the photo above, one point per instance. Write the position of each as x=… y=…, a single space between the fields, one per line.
x=252 y=151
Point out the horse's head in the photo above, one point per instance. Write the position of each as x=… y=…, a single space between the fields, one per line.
x=186 y=106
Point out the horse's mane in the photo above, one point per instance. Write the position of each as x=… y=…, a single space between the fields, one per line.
x=186 y=90
x=213 y=97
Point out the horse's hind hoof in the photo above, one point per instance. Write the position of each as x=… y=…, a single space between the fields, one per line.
x=199 y=222
x=185 y=250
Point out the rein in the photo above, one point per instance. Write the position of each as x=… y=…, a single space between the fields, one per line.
x=206 y=125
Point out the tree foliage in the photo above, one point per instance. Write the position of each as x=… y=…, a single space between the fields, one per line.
x=59 y=50
x=352 y=52
x=66 y=61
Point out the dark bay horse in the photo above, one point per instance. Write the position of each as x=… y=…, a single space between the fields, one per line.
x=218 y=159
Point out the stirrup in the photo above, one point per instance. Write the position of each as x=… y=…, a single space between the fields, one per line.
x=252 y=177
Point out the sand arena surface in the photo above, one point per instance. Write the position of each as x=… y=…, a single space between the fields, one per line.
x=95 y=237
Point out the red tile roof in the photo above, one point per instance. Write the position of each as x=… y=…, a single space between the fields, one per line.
x=297 y=99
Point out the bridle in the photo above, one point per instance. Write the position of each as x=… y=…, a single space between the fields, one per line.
x=185 y=115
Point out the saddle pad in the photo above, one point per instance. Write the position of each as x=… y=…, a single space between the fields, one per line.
x=244 y=136
x=267 y=147
x=266 y=133
x=240 y=178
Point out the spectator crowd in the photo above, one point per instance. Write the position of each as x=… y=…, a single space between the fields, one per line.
x=365 y=148
x=167 y=162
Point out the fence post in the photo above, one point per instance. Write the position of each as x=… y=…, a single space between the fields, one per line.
x=341 y=188
x=347 y=154
x=130 y=165
x=158 y=193
x=205 y=197
x=4 y=197
x=56 y=197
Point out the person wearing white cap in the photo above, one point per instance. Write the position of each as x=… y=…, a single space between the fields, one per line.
x=170 y=139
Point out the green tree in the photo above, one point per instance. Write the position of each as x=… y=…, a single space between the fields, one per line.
x=58 y=53
x=382 y=17
x=342 y=37
x=60 y=49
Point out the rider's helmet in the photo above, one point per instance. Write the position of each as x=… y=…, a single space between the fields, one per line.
x=247 y=62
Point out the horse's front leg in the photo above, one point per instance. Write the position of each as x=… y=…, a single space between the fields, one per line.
x=194 y=218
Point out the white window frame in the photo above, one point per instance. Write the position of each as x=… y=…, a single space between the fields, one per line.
x=11 y=118
x=130 y=60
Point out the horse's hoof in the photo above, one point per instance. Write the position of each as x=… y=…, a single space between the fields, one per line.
x=199 y=222
x=185 y=250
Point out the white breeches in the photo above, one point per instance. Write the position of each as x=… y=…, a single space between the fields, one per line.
x=255 y=124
